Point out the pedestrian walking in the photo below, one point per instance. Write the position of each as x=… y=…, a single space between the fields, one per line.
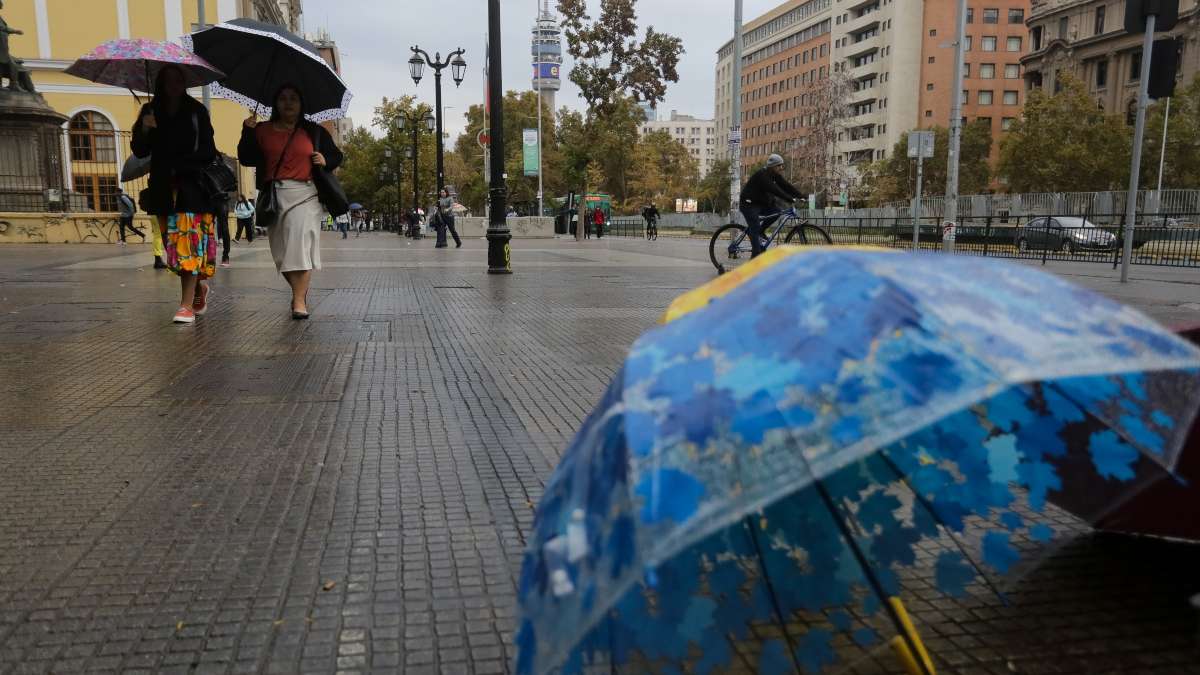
x=221 y=214
x=598 y=221
x=359 y=223
x=128 y=209
x=286 y=151
x=445 y=212
x=650 y=214
x=244 y=212
x=342 y=223
x=175 y=132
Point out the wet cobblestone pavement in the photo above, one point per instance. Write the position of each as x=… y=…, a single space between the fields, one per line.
x=351 y=493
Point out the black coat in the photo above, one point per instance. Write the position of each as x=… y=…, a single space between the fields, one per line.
x=251 y=154
x=764 y=186
x=180 y=146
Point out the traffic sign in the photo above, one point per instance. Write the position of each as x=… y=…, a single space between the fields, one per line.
x=920 y=144
x=483 y=139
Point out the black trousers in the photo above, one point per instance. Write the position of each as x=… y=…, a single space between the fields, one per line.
x=127 y=222
x=245 y=225
x=754 y=230
x=223 y=233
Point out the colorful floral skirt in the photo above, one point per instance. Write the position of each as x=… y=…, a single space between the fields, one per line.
x=190 y=244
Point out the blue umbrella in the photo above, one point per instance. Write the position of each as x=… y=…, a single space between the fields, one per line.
x=774 y=468
x=356 y=206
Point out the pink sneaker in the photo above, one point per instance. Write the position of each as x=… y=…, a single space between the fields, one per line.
x=200 y=303
x=185 y=315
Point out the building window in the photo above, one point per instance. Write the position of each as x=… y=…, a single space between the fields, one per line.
x=967 y=45
x=1062 y=28
x=1035 y=36
x=932 y=32
x=985 y=120
x=965 y=98
x=1010 y=97
x=1012 y=71
x=931 y=59
x=1099 y=30
x=929 y=86
x=929 y=113
x=1101 y=74
x=989 y=43
x=93 y=144
x=987 y=71
x=967 y=71
x=985 y=97
x=970 y=15
x=1135 y=67
x=1016 y=16
x=1006 y=123
x=1014 y=43
x=991 y=15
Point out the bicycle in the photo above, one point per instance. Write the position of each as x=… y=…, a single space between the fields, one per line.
x=732 y=241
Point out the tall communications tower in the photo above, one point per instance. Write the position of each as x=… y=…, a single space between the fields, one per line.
x=547 y=55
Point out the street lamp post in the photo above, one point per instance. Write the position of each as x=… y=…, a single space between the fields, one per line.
x=458 y=70
x=498 y=235
x=414 y=124
x=399 y=170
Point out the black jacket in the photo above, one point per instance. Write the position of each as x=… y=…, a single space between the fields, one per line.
x=251 y=154
x=180 y=146
x=764 y=186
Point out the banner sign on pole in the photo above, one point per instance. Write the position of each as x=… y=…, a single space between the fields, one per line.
x=529 y=139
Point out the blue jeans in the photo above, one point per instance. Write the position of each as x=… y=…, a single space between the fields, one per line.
x=754 y=229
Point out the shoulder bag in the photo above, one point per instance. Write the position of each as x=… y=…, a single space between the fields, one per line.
x=329 y=188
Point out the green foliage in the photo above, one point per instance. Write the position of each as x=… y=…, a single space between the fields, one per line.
x=610 y=61
x=1065 y=143
x=895 y=178
x=1182 y=167
x=366 y=159
x=664 y=170
x=714 y=194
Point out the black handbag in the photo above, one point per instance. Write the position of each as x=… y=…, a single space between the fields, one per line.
x=330 y=192
x=216 y=178
x=266 y=206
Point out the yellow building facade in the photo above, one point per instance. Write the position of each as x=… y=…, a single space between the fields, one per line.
x=96 y=135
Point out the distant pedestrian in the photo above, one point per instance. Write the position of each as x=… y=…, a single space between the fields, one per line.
x=221 y=213
x=650 y=214
x=359 y=223
x=598 y=221
x=445 y=210
x=286 y=150
x=588 y=219
x=175 y=132
x=244 y=212
x=128 y=209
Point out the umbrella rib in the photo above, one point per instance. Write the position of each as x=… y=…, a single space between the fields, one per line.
x=762 y=564
x=957 y=544
x=870 y=574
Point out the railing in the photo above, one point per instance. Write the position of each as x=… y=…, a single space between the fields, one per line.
x=64 y=170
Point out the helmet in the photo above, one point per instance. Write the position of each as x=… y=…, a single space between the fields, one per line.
x=774 y=160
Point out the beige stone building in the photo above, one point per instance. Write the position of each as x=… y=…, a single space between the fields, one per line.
x=698 y=136
x=1087 y=38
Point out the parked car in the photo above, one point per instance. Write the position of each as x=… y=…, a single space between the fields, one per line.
x=1067 y=235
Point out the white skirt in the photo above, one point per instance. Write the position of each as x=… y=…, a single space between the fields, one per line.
x=296 y=235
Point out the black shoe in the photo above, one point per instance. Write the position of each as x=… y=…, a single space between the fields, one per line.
x=159 y=264
x=458 y=245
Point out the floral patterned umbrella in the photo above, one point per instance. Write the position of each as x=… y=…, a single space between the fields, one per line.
x=135 y=64
x=825 y=433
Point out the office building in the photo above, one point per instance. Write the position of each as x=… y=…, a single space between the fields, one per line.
x=697 y=135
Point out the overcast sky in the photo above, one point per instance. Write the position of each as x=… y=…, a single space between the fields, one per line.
x=374 y=37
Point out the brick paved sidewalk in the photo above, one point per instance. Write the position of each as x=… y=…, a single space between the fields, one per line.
x=357 y=488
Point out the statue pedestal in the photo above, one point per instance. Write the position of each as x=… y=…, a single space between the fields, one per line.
x=31 y=153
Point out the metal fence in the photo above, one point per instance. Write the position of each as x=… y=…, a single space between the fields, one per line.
x=74 y=170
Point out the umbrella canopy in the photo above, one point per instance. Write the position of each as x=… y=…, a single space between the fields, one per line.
x=356 y=206
x=135 y=64
x=802 y=444
x=258 y=58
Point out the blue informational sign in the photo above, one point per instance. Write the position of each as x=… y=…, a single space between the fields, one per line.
x=547 y=71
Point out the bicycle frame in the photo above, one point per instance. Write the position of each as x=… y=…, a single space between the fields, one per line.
x=782 y=219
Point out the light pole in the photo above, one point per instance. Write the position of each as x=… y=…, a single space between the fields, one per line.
x=498 y=235
x=414 y=123
x=385 y=172
x=388 y=153
x=458 y=70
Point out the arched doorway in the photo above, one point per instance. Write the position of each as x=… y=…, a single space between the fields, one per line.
x=93 y=150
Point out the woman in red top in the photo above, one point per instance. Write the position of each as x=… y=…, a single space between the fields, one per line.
x=285 y=152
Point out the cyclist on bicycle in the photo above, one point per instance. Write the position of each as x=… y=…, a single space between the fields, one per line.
x=758 y=199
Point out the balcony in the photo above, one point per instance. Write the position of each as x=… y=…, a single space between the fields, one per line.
x=868 y=20
x=862 y=47
x=861 y=72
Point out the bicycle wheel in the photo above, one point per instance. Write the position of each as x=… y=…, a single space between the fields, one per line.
x=807 y=234
x=729 y=247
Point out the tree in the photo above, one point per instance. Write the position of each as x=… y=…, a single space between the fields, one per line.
x=895 y=178
x=663 y=172
x=824 y=110
x=1182 y=166
x=1065 y=143
x=714 y=187
x=610 y=62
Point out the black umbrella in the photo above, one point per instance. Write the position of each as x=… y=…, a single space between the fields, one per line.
x=258 y=58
